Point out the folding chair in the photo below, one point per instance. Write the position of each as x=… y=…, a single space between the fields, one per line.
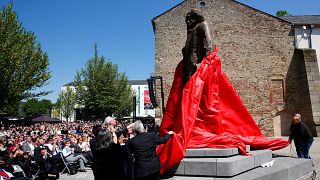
x=34 y=168
x=18 y=169
x=65 y=163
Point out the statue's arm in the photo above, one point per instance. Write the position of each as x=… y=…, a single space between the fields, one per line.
x=207 y=40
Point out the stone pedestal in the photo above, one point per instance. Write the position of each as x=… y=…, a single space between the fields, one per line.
x=220 y=164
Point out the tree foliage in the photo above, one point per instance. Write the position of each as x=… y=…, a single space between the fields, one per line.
x=282 y=13
x=35 y=107
x=67 y=101
x=23 y=65
x=102 y=90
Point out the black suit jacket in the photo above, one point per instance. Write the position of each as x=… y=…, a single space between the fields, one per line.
x=143 y=147
x=37 y=151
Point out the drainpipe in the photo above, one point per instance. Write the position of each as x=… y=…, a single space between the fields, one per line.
x=309 y=37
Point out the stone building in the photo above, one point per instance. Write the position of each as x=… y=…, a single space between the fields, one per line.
x=306 y=31
x=257 y=52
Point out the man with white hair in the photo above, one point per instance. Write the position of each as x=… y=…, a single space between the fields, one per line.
x=110 y=123
x=143 y=147
x=301 y=135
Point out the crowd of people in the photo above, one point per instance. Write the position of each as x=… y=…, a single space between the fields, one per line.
x=43 y=150
x=37 y=148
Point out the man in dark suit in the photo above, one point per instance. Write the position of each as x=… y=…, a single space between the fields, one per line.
x=37 y=150
x=143 y=147
x=46 y=165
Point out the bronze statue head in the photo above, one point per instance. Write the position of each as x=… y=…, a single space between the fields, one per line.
x=193 y=18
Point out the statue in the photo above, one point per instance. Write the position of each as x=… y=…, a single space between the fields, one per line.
x=198 y=44
x=206 y=112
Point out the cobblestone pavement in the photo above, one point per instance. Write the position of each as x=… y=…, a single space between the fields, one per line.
x=288 y=151
x=314 y=153
x=79 y=176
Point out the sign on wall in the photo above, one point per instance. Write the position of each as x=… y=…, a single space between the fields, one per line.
x=146 y=100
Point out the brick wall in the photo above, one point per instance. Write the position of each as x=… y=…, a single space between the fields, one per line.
x=255 y=48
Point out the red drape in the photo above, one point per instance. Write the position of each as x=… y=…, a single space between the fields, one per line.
x=207 y=112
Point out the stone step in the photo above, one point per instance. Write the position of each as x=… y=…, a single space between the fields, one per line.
x=284 y=168
x=213 y=152
x=223 y=167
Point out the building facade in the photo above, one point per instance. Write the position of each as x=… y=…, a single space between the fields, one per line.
x=257 y=53
x=144 y=106
x=306 y=32
x=140 y=90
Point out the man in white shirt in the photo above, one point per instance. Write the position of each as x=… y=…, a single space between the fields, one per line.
x=28 y=146
x=69 y=155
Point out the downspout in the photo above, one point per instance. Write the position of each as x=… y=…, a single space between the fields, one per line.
x=309 y=37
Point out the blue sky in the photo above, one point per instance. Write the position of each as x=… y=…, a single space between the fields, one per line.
x=68 y=29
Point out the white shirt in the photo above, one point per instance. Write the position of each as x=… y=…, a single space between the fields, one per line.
x=66 y=151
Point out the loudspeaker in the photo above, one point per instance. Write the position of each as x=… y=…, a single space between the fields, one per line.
x=152 y=93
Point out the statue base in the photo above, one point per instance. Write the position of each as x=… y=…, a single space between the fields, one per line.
x=211 y=163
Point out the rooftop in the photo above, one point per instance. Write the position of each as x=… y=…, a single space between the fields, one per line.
x=303 y=19
x=138 y=82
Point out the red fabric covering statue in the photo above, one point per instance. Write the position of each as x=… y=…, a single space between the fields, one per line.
x=207 y=112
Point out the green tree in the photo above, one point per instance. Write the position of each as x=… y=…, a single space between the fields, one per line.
x=67 y=100
x=282 y=13
x=23 y=65
x=35 y=107
x=102 y=90
x=55 y=112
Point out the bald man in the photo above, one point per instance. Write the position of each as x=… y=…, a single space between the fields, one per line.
x=301 y=135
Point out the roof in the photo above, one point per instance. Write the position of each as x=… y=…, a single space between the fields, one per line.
x=44 y=118
x=235 y=1
x=138 y=82
x=303 y=20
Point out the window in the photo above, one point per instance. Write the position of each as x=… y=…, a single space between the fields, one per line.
x=202 y=4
